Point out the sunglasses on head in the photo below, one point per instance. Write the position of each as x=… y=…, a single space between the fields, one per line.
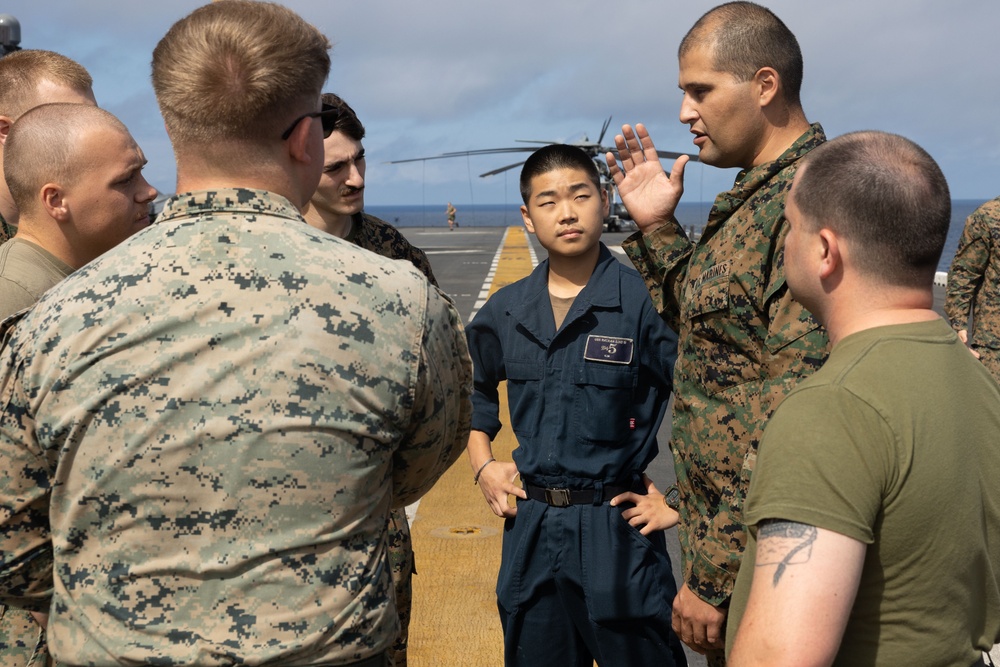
x=328 y=115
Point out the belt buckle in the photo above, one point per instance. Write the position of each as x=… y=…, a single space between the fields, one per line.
x=557 y=497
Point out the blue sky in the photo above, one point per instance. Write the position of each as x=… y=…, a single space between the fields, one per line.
x=430 y=76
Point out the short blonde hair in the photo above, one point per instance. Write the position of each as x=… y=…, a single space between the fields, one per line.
x=22 y=71
x=42 y=147
x=235 y=70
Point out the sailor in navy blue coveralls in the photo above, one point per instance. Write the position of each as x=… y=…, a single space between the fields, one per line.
x=577 y=582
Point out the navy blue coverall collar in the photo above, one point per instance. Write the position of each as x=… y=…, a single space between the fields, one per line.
x=598 y=293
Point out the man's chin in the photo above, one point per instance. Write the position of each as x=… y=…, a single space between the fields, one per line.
x=354 y=207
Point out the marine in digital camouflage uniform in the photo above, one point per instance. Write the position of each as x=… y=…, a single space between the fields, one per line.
x=743 y=341
x=205 y=430
x=336 y=207
x=974 y=285
x=207 y=436
x=380 y=237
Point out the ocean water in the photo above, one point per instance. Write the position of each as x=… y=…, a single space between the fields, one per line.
x=691 y=215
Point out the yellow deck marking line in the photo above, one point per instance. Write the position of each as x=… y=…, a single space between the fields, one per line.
x=457 y=538
x=514 y=250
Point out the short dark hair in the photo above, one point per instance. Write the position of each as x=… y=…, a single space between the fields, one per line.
x=347 y=120
x=552 y=157
x=886 y=195
x=745 y=37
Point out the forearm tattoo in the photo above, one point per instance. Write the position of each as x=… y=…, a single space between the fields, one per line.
x=784 y=543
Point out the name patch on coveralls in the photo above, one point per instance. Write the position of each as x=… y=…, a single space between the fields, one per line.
x=608 y=349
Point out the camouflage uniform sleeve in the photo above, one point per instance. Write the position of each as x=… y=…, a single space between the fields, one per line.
x=439 y=424
x=6 y=231
x=661 y=259
x=25 y=483
x=419 y=259
x=967 y=271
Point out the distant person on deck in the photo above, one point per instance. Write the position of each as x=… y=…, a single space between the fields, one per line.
x=974 y=286
x=451 y=217
x=744 y=341
x=874 y=510
x=29 y=78
x=585 y=573
x=336 y=207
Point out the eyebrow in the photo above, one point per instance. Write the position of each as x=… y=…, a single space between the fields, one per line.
x=339 y=163
x=132 y=168
x=576 y=187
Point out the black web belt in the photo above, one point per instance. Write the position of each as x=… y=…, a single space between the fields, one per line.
x=567 y=497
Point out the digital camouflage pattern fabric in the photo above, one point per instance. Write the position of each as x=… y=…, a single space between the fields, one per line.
x=205 y=429
x=974 y=284
x=22 y=640
x=381 y=238
x=743 y=344
x=6 y=231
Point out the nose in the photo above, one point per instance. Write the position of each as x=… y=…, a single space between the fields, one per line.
x=689 y=113
x=146 y=192
x=355 y=175
x=566 y=211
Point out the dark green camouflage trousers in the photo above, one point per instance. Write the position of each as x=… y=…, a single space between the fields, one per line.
x=22 y=640
x=402 y=565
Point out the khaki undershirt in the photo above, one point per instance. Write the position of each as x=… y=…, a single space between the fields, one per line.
x=560 y=307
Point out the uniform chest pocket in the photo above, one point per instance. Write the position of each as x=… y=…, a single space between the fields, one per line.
x=711 y=297
x=603 y=400
x=723 y=348
x=524 y=381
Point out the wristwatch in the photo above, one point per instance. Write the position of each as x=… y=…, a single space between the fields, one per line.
x=672 y=498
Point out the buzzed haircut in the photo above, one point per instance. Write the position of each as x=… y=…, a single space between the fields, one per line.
x=347 y=120
x=42 y=147
x=236 y=70
x=556 y=156
x=22 y=71
x=886 y=196
x=743 y=38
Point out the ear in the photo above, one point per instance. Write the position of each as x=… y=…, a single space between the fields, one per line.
x=5 y=124
x=605 y=202
x=53 y=200
x=528 y=224
x=831 y=259
x=768 y=82
x=298 y=143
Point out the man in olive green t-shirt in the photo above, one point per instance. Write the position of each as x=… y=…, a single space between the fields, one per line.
x=77 y=197
x=874 y=513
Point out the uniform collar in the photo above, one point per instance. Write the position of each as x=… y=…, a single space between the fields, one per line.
x=603 y=290
x=227 y=200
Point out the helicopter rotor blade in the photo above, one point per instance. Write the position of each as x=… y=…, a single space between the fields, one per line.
x=594 y=149
x=481 y=151
x=501 y=169
x=673 y=155
x=604 y=129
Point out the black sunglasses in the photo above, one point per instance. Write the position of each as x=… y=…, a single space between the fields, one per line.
x=328 y=115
